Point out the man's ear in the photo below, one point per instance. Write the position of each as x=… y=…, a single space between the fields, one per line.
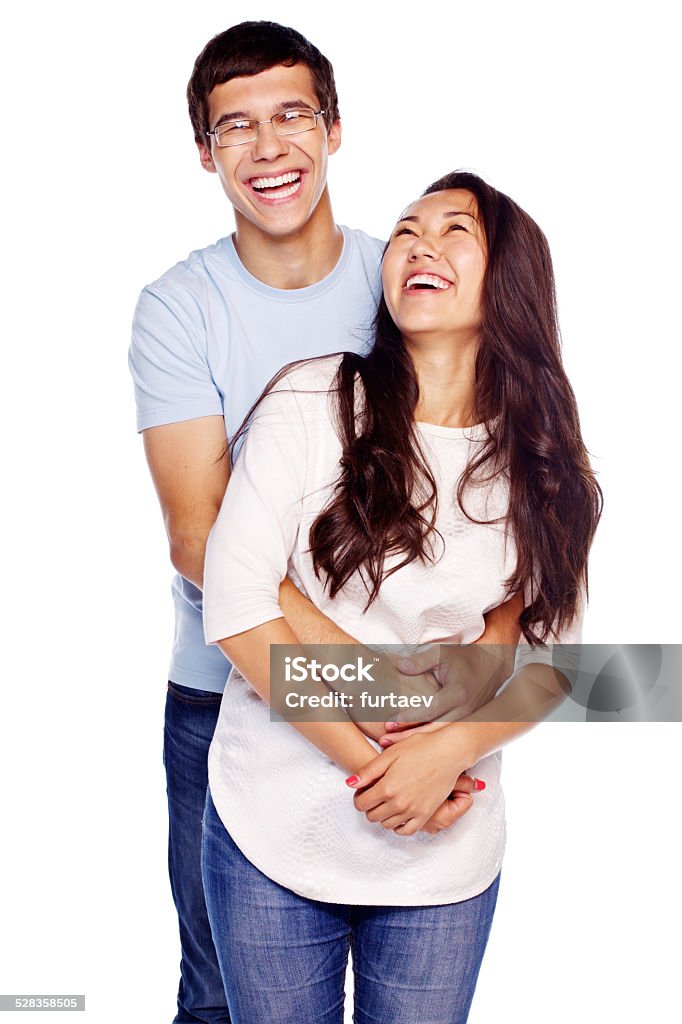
x=334 y=137
x=206 y=158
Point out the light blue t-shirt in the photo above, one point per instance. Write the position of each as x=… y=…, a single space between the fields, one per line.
x=207 y=337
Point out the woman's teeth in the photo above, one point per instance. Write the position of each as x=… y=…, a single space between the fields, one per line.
x=426 y=281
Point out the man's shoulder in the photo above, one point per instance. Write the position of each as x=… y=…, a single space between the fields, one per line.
x=190 y=273
x=368 y=245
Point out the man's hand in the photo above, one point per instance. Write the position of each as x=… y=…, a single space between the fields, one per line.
x=313 y=627
x=469 y=675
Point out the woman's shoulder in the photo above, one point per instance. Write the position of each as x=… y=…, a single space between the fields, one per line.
x=311 y=376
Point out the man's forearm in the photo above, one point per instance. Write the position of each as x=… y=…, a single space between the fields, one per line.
x=310 y=625
x=187 y=556
x=502 y=623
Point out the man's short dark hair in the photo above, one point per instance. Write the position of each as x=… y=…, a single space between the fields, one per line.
x=247 y=49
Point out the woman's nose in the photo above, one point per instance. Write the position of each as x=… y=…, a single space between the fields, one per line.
x=424 y=247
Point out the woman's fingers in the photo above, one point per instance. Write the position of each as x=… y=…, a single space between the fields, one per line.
x=379 y=804
x=370 y=773
x=449 y=812
x=468 y=784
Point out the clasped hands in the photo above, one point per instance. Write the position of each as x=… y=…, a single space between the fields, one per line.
x=420 y=782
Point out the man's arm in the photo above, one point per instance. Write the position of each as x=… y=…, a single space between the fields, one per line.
x=190 y=471
x=313 y=627
x=478 y=670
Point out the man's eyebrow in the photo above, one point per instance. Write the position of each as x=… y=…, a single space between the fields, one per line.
x=233 y=115
x=243 y=115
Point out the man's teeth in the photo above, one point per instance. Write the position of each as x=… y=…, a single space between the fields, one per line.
x=426 y=280
x=282 y=179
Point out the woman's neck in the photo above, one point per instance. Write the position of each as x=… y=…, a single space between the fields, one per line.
x=446 y=376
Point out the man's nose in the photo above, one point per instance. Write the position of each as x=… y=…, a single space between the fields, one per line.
x=268 y=145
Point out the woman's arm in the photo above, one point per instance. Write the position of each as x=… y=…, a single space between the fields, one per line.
x=250 y=652
x=405 y=786
x=249 y=547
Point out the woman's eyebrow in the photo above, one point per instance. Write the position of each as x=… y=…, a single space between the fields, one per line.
x=450 y=213
x=459 y=213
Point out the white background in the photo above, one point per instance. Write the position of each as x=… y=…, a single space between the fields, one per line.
x=567 y=107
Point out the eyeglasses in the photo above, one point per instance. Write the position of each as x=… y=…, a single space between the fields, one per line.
x=288 y=122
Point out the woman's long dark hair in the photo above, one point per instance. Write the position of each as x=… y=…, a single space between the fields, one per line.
x=385 y=500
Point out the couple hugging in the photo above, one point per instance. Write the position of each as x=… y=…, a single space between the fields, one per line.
x=410 y=470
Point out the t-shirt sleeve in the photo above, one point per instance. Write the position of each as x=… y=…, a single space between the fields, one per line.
x=255 y=533
x=168 y=361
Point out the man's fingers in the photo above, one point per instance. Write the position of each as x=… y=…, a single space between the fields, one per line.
x=407 y=729
x=398 y=726
x=418 y=663
x=452 y=699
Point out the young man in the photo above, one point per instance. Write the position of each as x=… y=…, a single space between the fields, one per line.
x=207 y=337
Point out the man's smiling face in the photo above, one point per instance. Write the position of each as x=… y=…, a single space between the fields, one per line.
x=275 y=182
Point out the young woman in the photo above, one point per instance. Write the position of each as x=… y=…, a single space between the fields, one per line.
x=407 y=493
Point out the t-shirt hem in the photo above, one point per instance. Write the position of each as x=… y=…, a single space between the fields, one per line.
x=349 y=897
x=177 y=414
x=197 y=680
x=230 y=627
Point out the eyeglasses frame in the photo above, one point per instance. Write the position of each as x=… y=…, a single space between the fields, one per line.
x=268 y=120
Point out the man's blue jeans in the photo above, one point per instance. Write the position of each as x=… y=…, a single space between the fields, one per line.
x=283 y=957
x=191 y=717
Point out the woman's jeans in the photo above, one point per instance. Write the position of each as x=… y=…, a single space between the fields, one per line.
x=283 y=957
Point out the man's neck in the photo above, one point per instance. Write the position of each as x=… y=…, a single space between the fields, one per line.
x=291 y=261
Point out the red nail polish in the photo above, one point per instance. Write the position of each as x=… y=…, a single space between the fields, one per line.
x=352 y=780
x=479 y=784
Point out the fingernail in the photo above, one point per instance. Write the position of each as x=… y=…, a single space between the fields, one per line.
x=391 y=726
x=352 y=780
x=479 y=784
x=405 y=663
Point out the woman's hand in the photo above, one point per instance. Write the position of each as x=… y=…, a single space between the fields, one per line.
x=455 y=806
x=406 y=786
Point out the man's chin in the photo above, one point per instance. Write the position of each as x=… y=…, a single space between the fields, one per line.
x=275 y=223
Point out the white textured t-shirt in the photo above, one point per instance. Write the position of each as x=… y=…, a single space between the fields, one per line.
x=283 y=802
